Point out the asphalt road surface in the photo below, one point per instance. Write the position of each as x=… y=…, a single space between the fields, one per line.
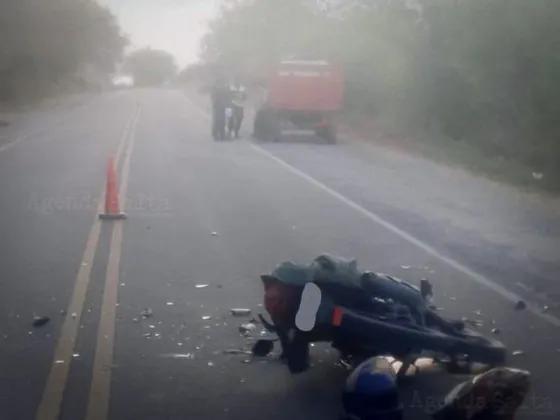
x=221 y=214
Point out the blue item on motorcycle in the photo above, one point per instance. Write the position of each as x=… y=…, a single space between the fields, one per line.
x=371 y=392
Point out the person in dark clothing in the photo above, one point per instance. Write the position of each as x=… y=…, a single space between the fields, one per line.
x=221 y=98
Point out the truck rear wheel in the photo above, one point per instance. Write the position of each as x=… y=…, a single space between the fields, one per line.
x=327 y=133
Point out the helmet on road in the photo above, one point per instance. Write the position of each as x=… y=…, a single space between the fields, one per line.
x=371 y=392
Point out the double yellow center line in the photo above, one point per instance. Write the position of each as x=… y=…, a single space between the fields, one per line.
x=53 y=394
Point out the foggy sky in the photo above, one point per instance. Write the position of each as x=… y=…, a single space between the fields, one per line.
x=173 y=25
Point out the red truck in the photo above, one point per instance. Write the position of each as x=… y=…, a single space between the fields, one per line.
x=302 y=97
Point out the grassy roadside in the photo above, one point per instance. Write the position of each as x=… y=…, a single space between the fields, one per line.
x=450 y=152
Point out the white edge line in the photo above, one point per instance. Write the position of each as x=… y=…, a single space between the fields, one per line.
x=10 y=144
x=479 y=278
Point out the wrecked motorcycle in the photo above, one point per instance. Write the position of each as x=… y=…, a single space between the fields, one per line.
x=365 y=314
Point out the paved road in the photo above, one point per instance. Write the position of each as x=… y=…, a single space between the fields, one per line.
x=221 y=214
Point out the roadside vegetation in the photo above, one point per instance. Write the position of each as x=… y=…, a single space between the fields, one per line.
x=55 y=46
x=477 y=81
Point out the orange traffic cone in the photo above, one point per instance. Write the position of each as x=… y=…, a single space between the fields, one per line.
x=111 y=196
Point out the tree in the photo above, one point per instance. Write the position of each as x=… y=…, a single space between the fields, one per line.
x=150 y=67
x=44 y=43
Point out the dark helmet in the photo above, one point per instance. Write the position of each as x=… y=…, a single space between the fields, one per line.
x=371 y=392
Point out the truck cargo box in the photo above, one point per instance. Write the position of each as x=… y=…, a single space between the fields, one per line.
x=306 y=86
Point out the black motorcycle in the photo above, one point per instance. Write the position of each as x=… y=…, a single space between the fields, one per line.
x=364 y=315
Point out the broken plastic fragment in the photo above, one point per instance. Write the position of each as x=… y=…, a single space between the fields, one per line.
x=74 y=315
x=41 y=321
x=452 y=298
x=201 y=286
x=210 y=364
x=518 y=353
x=179 y=356
x=240 y=312
x=520 y=305
x=496 y=331
x=170 y=303
x=478 y=312
x=247 y=328
x=59 y=362
x=545 y=308
x=237 y=351
x=206 y=317
x=214 y=233
x=262 y=348
x=76 y=355
x=151 y=326
x=135 y=320
x=246 y=361
x=345 y=364
x=147 y=313
x=405 y=267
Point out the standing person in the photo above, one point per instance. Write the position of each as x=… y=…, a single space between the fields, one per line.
x=220 y=100
x=239 y=97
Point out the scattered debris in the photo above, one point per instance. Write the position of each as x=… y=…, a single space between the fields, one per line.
x=206 y=317
x=405 y=267
x=262 y=348
x=76 y=355
x=472 y=322
x=135 y=320
x=210 y=364
x=538 y=175
x=201 y=286
x=520 y=305
x=84 y=264
x=59 y=362
x=452 y=298
x=496 y=331
x=41 y=321
x=214 y=233
x=74 y=315
x=179 y=356
x=147 y=313
x=345 y=364
x=123 y=284
x=247 y=328
x=545 y=308
x=246 y=361
x=240 y=312
x=237 y=351
x=147 y=335
x=478 y=312
x=62 y=312
x=151 y=326
x=169 y=303
x=518 y=353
